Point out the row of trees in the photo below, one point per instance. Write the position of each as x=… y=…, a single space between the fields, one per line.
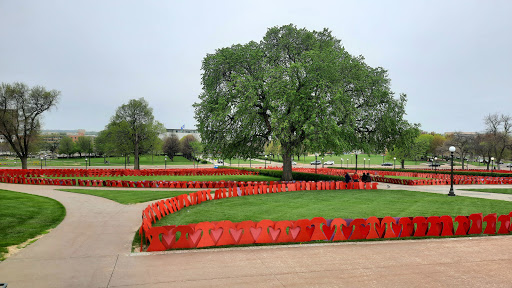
x=84 y=144
x=494 y=142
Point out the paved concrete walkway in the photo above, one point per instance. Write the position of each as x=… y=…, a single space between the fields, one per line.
x=90 y=248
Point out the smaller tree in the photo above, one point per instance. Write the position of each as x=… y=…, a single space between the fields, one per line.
x=499 y=130
x=66 y=146
x=462 y=142
x=20 y=111
x=186 y=146
x=408 y=146
x=84 y=144
x=171 y=146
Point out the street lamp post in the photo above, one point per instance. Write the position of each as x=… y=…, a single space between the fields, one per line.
x=341 y=163
x=316 y=164
x=85 y=163
x=265 y=161
x=435 y=164
x=347 y=163
x=383 y=158
x=394 y=162
x=165 y=163
x=492 y=166
x=356 y=163
x=369 y=163
x=451 y=193
x=364 y=163
x=41 y=162
x=322 y=162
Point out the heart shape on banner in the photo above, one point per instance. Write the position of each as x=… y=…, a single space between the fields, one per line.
x=328 y=231
x=236 y=234
x=195 y=237
x=255 y=232
x=274 y=233
x=169 y=239
x=216 y=234
x=294 y=232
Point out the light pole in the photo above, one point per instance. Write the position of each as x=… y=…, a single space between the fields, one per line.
x=341 y=163
x=165 y=163
x=347 y=163
x=369 y=163
x=356 y=163
x=85 y=163
x=316 y=164
x=492 y=165
x=364 y=163
x=451 y=193
x=265 y=161
x=435 y=164
x=322 y=162
x=383 y=158
x=41 y=162
x=394 y=161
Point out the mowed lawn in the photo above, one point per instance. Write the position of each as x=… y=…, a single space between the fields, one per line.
x=244 y=178
x=25 y=216
x=132 y=196
x=334 y=204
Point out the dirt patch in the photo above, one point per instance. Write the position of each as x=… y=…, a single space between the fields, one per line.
x=11 y=250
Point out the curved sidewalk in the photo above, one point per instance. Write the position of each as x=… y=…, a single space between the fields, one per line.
x=90 y=248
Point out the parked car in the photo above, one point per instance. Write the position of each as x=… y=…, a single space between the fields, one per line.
x=329 y=162
x=386 y=164
x=317 y=162
x=434 y=165
x=294 y=163
x=220 y=161
x=509 y=164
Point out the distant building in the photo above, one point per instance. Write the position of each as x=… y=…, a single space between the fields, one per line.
x=461 y=133
x=181 y=133
x=56 y=135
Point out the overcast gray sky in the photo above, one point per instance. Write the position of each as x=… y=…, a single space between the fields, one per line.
x=452 y=58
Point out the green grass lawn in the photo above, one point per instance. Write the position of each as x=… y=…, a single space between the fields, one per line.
x=371 y=159
x=97 y=162
x=25 y=216
x=130 y=196
x=334 y=204
x=500 y=190
x=244 y=178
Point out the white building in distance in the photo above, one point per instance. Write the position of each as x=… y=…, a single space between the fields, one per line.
x=181 y=133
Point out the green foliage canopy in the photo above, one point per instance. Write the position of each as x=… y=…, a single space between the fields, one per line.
x=133 y=129
x=301 y=88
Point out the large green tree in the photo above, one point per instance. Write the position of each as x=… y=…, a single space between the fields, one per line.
x=134 y=125
x=301 y=88
x=20 y=115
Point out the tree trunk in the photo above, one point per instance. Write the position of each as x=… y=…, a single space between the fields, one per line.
x=24 y=162
x=287 y=166
x=403 y=164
